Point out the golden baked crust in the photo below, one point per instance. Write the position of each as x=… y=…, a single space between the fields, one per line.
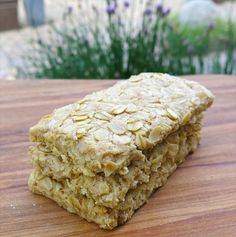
x=103 y=156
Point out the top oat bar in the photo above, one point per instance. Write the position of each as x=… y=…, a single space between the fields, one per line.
x=108 y=129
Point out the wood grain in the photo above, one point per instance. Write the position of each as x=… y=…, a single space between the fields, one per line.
x=8 y=15
x=198 y=200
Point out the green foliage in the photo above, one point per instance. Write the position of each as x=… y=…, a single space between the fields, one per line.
x=119 y=48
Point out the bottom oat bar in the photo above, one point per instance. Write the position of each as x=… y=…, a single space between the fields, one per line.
x=103 y=156
x=162 y=162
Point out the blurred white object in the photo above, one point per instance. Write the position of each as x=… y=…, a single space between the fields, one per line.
x=199 y=12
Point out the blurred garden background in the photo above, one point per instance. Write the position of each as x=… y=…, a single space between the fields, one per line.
x=111 y=39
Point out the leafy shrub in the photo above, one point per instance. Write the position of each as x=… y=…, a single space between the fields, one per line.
x=119 y=46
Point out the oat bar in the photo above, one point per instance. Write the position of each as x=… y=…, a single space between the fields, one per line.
x=103 y=156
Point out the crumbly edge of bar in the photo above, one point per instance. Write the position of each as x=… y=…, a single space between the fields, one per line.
x=105 y=217
x=109 y=191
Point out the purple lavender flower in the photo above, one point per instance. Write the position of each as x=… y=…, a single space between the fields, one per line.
x=211 y=27
x=190 y=49
x=148 y=11
x=166 y=12
x=126 y=3
x=70 y=9
x=111 y=9
x=159 y=8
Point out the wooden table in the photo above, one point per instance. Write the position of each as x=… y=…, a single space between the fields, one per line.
x=198 y=200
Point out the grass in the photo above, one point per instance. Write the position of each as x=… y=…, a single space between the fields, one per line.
x=119 y=47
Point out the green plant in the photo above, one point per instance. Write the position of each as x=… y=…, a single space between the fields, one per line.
x=120 y=46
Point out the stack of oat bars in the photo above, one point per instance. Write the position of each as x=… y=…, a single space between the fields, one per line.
x=103 y=156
